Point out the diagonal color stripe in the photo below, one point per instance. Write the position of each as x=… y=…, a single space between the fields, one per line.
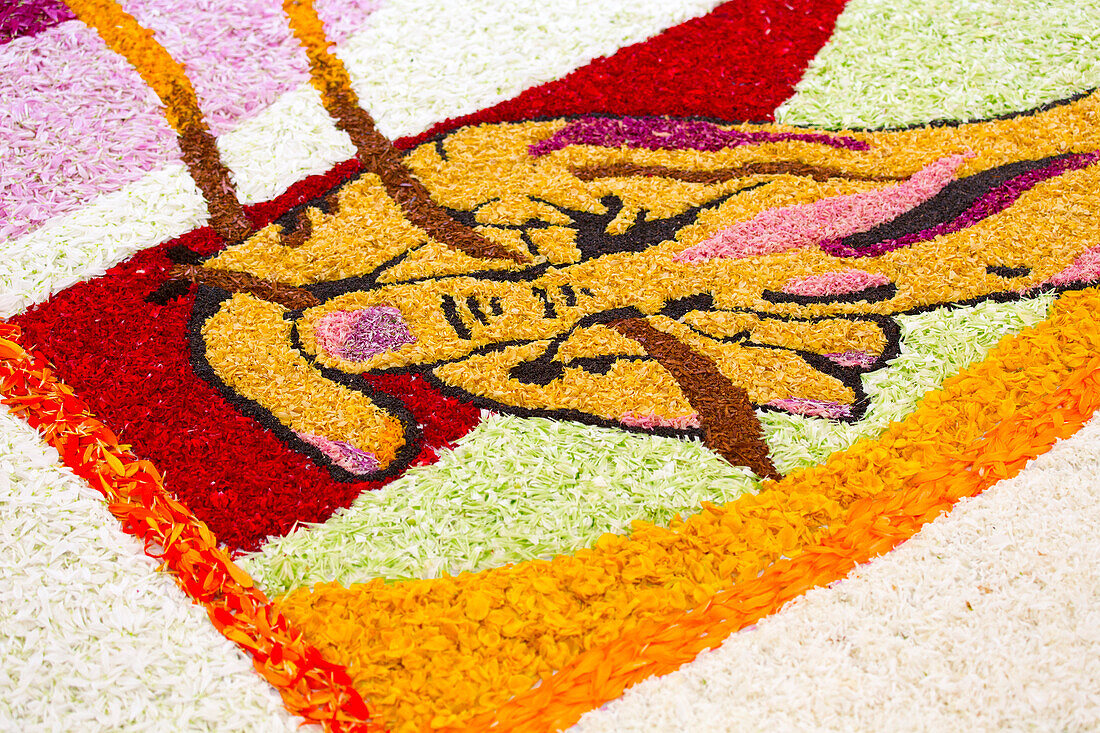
x=80 y=129
x=25 y=18
x=76 y=130
x=94 y=637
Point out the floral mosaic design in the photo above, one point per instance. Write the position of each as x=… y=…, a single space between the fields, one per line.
x=772 y=261
x=638 y=273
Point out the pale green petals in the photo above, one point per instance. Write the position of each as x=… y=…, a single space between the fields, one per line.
x=886 y=64
x=935 y=345
x=517 y=489
x=514 y=489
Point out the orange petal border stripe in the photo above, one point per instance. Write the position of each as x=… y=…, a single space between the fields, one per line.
x=987 y=418
x=871 y=527
x=311 y=686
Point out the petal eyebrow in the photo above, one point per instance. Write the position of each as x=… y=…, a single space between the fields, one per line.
x=801 y=225
x=720 y=175
x=664 y=133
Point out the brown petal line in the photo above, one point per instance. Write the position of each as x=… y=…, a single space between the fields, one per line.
x=730 y=426
x=721 y=175
x=375 y=150
x=233 y=281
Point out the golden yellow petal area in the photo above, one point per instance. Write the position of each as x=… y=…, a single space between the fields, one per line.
x=766 y=374
x=518 y=209
x=424 y=308
x=248 y=347
x=1045 y=229
x=436 y=260
x=366 y=230
x=490 y=162
x=642 y=386
x=487 y=170
x=827 y=336
x=597 y=341
x=556 y=244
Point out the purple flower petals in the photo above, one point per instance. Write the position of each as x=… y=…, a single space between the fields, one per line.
x=861 y=359
x=360 y=334
x=665 y=133
x=652 y=420
x=804 y=225
x=834 y=283
x=1085 y=268
x=31 y=17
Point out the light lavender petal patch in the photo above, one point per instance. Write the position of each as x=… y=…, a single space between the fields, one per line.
x=360 y=334
x=344 y=454
x=651 y=420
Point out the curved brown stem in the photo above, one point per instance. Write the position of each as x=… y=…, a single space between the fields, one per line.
x=233 y=281
x=375 y=150
x=730 y=426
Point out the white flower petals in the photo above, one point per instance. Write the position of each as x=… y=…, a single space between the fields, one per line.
x=91 y=635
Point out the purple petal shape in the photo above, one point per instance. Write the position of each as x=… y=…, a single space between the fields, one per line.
x=360 y=334
x=344 y=454
x=812 y=408
x=665 y=133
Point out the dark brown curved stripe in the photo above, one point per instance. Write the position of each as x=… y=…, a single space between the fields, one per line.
x=730 y=427
x=200 y=154
x=375 y=151
x=301 y=233
x=233 y=281
x=720 y=175
x=126 y=37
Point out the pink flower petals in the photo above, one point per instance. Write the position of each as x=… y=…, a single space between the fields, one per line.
x=666 y=133
x=861 y=359
x=240 y=54
x=812 y=408
x=360 y=334
x=651 y=420
x=805 y=225
x=1085 y=268
x=834 y=283
x=344 y=454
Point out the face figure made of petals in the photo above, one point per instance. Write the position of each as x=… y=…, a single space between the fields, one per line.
x=774 y=256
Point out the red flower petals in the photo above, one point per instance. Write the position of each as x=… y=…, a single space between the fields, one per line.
x=130 y=360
